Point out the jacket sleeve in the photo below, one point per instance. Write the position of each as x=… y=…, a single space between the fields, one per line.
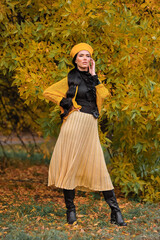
x=101 y=93
x=57 y=91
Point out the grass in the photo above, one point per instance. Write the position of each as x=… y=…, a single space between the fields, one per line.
x=16 y=153
x=29 y=210
x=36 y=211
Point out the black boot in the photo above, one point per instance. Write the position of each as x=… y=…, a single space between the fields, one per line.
x=71 y=211
x=116 y=216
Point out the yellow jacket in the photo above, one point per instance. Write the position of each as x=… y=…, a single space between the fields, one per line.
x=58 y=90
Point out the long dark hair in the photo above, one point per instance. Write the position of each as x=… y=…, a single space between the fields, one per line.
x=74 y=59
x=74 y=80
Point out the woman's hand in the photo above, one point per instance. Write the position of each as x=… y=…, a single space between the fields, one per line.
x=72 y=108
x=92 y=67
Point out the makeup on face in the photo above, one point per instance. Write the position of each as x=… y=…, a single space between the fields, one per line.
x=83 y=60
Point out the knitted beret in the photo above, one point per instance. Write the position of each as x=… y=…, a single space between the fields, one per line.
x=79 y=47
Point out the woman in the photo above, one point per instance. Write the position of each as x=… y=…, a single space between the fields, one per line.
x=78 y=160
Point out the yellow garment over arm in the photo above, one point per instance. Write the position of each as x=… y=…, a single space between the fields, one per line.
x=58 y=90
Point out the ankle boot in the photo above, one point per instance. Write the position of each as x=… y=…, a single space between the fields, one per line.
x=116 y=216
x=71 y=211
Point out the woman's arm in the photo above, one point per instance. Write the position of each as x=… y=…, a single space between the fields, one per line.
x=57 y=91
x=101 y=93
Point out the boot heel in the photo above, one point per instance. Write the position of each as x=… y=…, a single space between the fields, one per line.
x=71 y=217
x=116 y=218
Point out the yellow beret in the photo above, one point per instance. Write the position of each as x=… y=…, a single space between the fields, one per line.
x=79 y=47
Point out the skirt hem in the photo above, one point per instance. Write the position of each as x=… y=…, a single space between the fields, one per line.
x=82 y=188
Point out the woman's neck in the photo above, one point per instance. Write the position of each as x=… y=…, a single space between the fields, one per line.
x=82 y=69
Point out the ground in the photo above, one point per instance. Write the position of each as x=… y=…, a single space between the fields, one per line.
x=30 y=209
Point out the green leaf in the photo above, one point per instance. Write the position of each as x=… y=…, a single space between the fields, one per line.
x=158 y=118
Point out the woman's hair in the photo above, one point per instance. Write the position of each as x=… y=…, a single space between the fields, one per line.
x=74 y=59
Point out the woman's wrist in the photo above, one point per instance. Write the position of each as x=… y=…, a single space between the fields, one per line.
x=93 y=74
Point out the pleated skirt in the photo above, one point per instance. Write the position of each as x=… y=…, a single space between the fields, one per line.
x=78 y=160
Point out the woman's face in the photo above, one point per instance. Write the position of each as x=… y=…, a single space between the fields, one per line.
x=82 y=60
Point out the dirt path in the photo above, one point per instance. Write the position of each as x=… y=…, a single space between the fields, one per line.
x=25 y=137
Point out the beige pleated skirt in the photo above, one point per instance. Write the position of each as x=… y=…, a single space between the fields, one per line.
x=78 y=160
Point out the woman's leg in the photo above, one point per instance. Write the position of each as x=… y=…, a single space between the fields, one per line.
x=71 y=211
x=116 y=216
